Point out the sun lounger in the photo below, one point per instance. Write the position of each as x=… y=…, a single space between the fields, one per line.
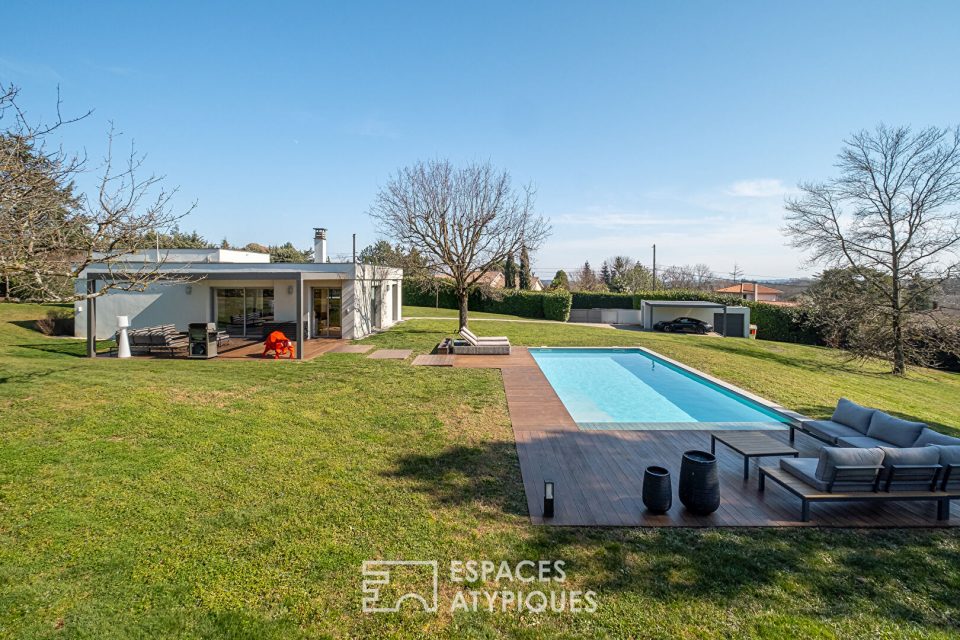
x=475 y=340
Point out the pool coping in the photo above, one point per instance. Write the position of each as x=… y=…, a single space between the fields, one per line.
x=795 y=419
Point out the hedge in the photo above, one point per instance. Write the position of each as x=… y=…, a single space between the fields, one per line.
x=781 y=324
x=604 y=300
x=552 y=305
x=557 y=305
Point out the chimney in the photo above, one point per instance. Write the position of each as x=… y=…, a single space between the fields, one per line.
x=319 y=244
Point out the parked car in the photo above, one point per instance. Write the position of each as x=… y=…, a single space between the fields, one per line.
x=684 y=324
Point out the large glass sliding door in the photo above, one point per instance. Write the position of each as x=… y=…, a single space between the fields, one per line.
x=243 y=311
x=327 y=312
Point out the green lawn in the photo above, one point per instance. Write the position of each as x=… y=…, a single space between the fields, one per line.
x=158 y=498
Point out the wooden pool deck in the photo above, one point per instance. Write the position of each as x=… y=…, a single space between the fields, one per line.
x=598 y=475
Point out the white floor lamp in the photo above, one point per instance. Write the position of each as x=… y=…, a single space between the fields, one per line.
x=123 y=343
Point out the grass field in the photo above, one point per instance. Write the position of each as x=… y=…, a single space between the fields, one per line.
x=157 y=498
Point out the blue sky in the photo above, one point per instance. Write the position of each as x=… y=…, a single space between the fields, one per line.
x=682 y=124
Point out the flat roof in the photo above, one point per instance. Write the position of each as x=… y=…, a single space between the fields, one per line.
x=689 y=303
x=243 y=270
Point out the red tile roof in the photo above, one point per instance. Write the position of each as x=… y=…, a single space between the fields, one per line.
x=747 y=287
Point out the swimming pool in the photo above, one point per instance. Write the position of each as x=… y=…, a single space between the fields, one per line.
x=632 y=389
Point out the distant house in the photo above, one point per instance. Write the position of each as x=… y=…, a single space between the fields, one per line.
x=752 y=291
x=495 y=280
x=492 y=279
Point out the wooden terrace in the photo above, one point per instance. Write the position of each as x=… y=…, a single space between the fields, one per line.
x=598 y=475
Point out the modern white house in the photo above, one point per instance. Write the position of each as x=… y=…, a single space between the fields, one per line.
x=243 y=291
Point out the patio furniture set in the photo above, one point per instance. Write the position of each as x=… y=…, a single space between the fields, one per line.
x=871 y=457
x=889 y=460
x=162 y=338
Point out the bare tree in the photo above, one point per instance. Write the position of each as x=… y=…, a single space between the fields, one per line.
x=736 y=274
x=463 y=221
x=49 y=234
x=703 y=278
x=891 y=216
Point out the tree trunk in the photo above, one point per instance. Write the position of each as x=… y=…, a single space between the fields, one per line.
x=896 y=321
x=899 y=357
x=462 y=299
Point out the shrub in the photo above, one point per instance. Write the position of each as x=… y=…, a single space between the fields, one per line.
x=59 y=322
x=557 y=304
x=527 y=304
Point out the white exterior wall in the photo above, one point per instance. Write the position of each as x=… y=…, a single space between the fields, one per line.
x=159 y=304
x=362 y=320
x=171 y=304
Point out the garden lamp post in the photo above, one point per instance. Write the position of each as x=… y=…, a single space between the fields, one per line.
x=123 y=341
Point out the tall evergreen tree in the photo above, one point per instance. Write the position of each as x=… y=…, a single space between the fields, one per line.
x=510 y=273
x=560 y=280
x=605 y=274
x=526 y=277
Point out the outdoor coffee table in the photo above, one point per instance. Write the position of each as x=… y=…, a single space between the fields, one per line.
x=751 y=444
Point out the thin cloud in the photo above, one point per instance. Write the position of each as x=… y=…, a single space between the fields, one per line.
x=760 y=188
x=38 y=71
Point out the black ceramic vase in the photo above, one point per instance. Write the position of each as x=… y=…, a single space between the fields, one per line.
x=657 y=492
x=699 y=482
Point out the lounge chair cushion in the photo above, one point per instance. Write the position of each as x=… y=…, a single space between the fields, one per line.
x=900 y=433
x=861 y=442
x=909 y=455
x=830 y=430
x=853 y=415
x=471 y=337
x=832 y=457
x=805 y=469
x=929 y=436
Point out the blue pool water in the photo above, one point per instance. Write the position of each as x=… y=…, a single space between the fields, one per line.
x=630 y=389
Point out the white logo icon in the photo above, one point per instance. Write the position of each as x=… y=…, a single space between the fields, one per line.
x=420 y=578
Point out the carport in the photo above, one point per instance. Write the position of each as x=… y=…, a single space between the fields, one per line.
x=728 y=320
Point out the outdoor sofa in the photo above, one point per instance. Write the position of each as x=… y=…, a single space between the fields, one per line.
x=855 y=426
x=474 y=345
x=874 y=457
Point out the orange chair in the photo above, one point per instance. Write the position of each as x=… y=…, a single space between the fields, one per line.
x=280 y=344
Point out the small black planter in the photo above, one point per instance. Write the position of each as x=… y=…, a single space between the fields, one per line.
x=699 y=482
x=657 y=492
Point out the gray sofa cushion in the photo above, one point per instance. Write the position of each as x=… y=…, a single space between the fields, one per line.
x=853 y=415
x=929 y=436
x=948 y=454
x=804 y=469
x=900 y=433
x=909 y=455
x=831 y=457
x=829 y=430
x=861 y=442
